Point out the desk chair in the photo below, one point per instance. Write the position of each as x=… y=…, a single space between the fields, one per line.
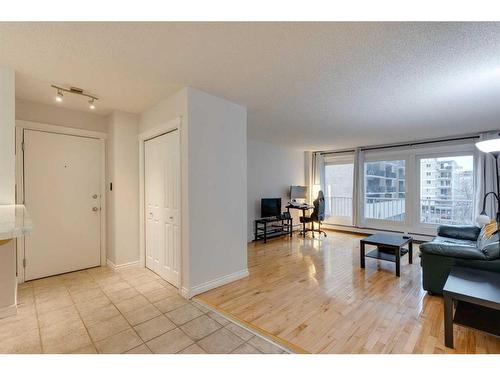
x=317 y=216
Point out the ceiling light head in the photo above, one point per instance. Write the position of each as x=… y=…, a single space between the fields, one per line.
x=76 y=91
x=59 y=96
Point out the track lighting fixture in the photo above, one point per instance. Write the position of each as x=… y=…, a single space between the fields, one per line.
x=77 y=91
x=59 y=96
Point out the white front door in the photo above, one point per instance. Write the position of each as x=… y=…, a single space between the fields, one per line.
x=62 y=176
x=162 y=198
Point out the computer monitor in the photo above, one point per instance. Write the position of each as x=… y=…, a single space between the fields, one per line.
x=298 y=192
x=270 y=207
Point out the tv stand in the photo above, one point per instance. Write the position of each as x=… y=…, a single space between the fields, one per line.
x=270 y=227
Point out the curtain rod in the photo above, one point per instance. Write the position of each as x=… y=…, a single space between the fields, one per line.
x=336 y=152
x=419 y=143
x=395 y=145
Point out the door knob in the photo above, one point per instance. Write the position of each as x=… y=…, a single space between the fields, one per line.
x=94 y=196
x=150 y=215
x=95 y=209
x=171 y=217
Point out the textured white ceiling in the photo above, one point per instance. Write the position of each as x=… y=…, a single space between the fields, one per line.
x=307 y=85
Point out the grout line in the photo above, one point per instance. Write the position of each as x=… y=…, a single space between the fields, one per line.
x=178 y=326
x=147 y=320
x=286 y=345
x=205 y=311
x=247 y=343
x=37 y=320
x=81 y=318
x=119 y=311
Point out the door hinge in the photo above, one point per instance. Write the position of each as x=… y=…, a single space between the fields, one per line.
x=22 y=145
x=24 y=263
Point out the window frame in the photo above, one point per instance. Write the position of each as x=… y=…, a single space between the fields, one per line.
x=382 y=224
x=412 y=156
x=465 y=150
x=342 y=159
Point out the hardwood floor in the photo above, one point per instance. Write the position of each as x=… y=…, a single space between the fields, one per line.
x=313 y=294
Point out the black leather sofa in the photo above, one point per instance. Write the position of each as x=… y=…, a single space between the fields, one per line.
x=465 y=246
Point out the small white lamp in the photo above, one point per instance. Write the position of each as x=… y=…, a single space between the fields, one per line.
x=315 y=190
x=483 y=219
x=490 y=146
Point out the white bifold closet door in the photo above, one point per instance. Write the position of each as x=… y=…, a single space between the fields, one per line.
x=162 y=208
x=62 y=184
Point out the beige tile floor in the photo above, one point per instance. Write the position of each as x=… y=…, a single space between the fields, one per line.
x=100 y=310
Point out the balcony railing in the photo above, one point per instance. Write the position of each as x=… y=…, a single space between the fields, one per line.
x=432 y=211
x=385 y=208
x=449 y=211
x=338 y=206
x=375 y=208
x=372 y=171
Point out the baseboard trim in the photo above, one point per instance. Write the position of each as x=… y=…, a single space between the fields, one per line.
x=110 y=264
x=5 y=312
x=185 y=292
x=212 y=284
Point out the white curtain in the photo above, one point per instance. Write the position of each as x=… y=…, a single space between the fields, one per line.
x=358 y=194
x=318 y=174
x=485 y=180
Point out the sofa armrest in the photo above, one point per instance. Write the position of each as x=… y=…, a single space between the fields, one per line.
x=461 y=232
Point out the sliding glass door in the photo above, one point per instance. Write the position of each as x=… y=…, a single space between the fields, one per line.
x=384 y=193
x=338 y=189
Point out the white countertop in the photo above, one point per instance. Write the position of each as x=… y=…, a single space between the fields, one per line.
x=14 y=221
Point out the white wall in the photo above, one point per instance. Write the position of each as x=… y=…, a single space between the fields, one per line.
x=122 y=161
x=168 y=109
x=213 y=183
x=7 y=136
x=217 y=187
x=272 y=169
x=8 y=282
x=55 y=115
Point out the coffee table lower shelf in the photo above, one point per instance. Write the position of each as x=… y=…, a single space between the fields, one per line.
x=477 y=317
x=384 y=254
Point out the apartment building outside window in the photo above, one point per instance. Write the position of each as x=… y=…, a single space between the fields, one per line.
x=450 y=197
x=385 y=190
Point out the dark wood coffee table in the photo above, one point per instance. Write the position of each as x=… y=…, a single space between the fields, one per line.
x=475 y=297
x=390 y=247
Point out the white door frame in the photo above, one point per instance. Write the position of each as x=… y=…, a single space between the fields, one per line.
x=21 y=125
x=170 y=126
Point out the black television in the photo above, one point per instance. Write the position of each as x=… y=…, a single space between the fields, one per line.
x=270 y=207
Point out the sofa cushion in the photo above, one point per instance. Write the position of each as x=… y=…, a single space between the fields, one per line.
x=488 y=245
x=462 y=232
x=450 y=247
x=454 y=241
